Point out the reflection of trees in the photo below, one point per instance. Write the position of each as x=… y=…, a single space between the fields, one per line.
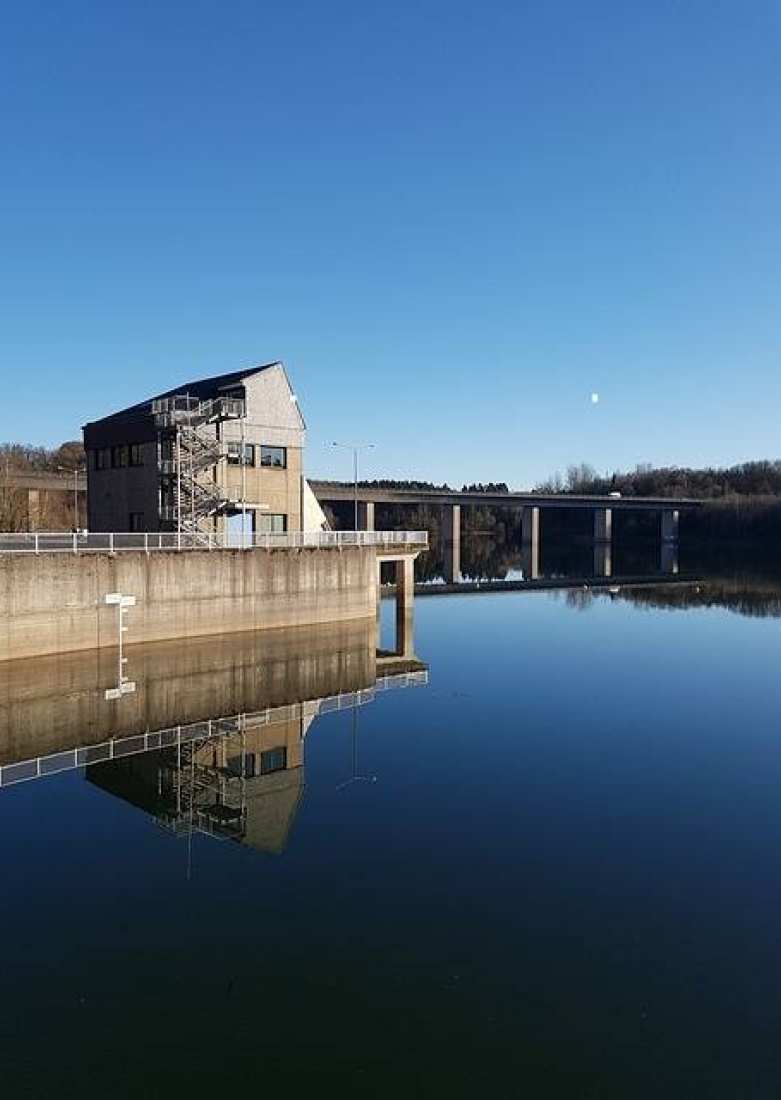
x=580 y=599
x=744 y=597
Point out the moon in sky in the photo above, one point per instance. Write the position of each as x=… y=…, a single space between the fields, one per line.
x=595 y=399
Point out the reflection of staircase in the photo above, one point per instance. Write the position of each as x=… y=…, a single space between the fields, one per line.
x=202 y=796
x=191 y=492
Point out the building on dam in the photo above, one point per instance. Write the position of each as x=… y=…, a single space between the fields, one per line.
x=221 y=455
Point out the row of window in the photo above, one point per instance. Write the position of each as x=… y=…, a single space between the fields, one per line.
x=107 y=458
x=275 y=457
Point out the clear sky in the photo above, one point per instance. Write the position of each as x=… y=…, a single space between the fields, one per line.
x=452 y=221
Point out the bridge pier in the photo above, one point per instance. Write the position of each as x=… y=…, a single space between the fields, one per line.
x=603 y=524
x=452 y=540
x=669 y=557
x=365 y=515
x=530 y=561
x=603 y=559
x=670 y=518
x=530 y=542
x=530 y=524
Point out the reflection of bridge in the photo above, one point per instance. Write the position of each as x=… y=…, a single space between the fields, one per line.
x=530 y=506
x=548 y=584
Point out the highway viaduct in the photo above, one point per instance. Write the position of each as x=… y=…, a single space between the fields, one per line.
x=34 y=485
x=530 y=506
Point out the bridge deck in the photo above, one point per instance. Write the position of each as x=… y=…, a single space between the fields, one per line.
x=327 y=491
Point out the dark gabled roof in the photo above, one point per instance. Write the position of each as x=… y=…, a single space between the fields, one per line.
x=203 y=388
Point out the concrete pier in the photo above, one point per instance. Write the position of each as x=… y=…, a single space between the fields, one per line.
x=405 y=601
x=365 y=515
x=452 y=540
x=530 y=542
x=670 y=517
x=603 y=559
x=669 y=557
x=530 y=560
x=530 y=525
x=603 y=524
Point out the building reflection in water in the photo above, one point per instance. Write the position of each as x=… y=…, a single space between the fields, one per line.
x=212 y=739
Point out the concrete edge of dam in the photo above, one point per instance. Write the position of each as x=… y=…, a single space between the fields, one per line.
x=56 y=603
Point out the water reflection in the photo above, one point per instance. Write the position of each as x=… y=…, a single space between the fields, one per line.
x=211 y=739
x=746 y=580
x=567 y=871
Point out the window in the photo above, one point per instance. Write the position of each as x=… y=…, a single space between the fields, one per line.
x=273 y=760
x=119 y=455
x=103 y=458
x=136 y=521
x=273 y=456
x=136 y=455
x=234 y=454
x=267 y=523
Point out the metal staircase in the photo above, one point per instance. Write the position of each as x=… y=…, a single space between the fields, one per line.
x=190 y=453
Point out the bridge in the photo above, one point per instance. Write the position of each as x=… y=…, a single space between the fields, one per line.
x=34 y=484
x=529 y=505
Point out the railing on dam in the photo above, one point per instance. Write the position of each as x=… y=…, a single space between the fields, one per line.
x=112 y=542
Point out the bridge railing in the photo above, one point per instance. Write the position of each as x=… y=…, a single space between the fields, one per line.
x=41 y=542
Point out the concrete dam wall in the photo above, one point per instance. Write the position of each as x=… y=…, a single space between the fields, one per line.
x=55 y=603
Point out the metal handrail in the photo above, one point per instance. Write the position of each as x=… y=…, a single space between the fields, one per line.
x=111 y=542
x=184 y=408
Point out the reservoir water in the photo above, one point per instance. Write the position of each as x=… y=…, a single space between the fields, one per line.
x=541 y=856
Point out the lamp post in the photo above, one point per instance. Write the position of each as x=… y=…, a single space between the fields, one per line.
x=355 y=448
x=75 y=470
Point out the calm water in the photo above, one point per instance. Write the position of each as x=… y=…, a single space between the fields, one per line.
x=554 y=871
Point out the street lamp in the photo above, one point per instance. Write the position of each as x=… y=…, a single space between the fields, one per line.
x=355 y=448
x=75 y=470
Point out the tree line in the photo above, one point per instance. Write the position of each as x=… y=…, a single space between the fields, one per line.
x=748 y=479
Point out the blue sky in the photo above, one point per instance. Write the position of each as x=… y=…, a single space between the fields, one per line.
x=452 y=221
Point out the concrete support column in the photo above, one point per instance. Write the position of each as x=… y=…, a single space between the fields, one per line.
x=603 y=524
x=530 y=561
x=603 y=559
x=670 y=525
x=33 y=509
x=530 y=542
x=669 y=557
x=405 y=602
x=530 y=525
x=365 y=515
x=452 y=538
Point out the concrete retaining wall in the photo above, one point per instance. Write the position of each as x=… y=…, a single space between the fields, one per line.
x=54 y=603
